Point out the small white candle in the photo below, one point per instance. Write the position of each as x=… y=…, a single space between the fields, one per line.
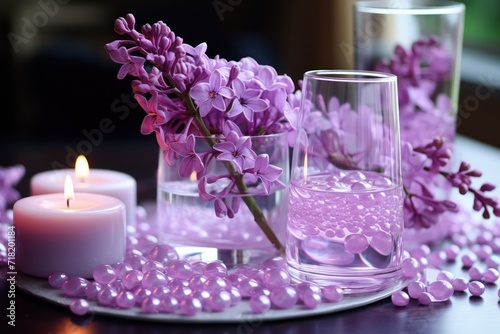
x=72 y=233
x=98 y=181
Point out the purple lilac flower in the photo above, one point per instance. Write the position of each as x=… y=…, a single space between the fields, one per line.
x=267 y=173
x=9 y=178
x=222 y=205
x=412 y=163
x=169 y=155
x=130 y=64
x=438 y=152
x=247 y=101
x=235 y=149
x=191 y=160
x=418 y=69
x=155 y=115
x=211 y=95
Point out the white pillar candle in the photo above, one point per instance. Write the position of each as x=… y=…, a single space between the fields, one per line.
x=98 y=181
x=52 y=236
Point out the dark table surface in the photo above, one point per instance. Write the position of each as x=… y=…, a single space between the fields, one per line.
x=463 y=313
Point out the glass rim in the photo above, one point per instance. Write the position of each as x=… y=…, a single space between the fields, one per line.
x=268 y=135
x=413 y=7
x=350 y=76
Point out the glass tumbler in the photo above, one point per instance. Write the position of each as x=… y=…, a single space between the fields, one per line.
x=345 y=212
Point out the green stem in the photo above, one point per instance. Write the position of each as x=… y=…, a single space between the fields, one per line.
x=250 y=201
x=259 y=217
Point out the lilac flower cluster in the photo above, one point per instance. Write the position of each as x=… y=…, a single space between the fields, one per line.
x=427 y=132
x=189 y=97
x=9 y=177
x=419 y=71
x=462 y=179
x=227 y=95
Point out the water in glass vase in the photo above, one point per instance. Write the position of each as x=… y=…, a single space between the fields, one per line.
x=345 y=229
x=191 y=225
x=188 y=221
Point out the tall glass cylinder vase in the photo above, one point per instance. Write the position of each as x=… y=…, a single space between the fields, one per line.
x=234 y=223
x=420 y=41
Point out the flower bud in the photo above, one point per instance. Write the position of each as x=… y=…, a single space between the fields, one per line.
x=464 y=166
x=146 y=44
x=121 y=26
x=487 y=187
x=130 y=20
x=234 y=72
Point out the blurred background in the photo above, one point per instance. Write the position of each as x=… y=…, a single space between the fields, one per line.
x=59 y=84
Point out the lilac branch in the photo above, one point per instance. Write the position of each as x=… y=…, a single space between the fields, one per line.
x=438 y=155
x=462 y=180
x=420 y=70
x=185 y=93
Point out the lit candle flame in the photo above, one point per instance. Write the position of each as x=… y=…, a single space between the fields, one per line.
x=69 y=193
x=193 y=176
x=305 y=167
x=81 y=168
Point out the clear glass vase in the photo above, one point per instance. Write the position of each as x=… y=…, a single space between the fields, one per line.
x=420 y=41
x=345 y=213
x=190 y=223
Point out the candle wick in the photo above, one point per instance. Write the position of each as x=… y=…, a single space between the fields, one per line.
x=67 y=203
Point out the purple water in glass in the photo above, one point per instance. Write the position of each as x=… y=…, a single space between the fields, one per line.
x=345 y=228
